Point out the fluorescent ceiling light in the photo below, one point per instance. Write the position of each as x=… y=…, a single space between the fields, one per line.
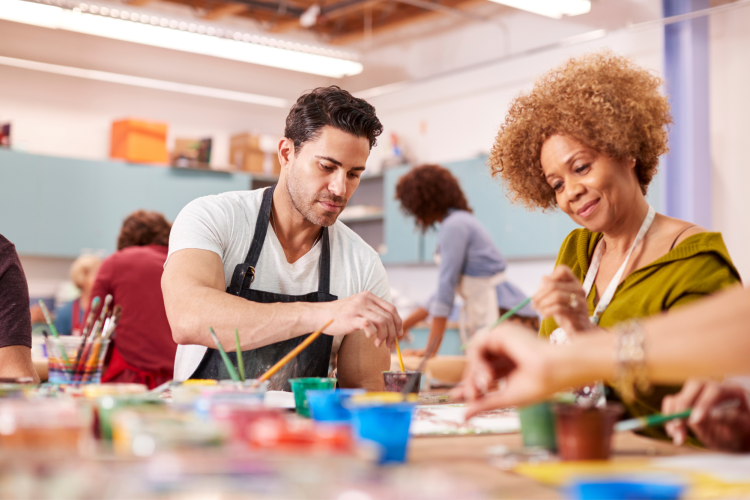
x=179 y=35
x=149 y=83
x=550 y=8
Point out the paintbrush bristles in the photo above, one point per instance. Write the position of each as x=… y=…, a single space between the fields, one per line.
x=92 y=315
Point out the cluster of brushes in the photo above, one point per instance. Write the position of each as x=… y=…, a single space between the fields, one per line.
x=97 y=331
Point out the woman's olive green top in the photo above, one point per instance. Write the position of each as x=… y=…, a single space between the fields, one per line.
x=697 y=267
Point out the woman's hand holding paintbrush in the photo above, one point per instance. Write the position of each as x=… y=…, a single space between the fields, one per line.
x=560 y=296
x=720 y=415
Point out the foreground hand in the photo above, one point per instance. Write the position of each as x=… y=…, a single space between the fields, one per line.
x=511 y=351
x=717 y=423
x=364 y=311
x=561 y=296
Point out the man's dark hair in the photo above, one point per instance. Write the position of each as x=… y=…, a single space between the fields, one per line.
x=331 y=106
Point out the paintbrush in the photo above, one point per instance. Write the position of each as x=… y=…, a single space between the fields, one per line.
x=504 y=317
x=240 y=362
x=224 y=357
x=90 y=318
x=88 y=325
x=96 y=350
x=52 y=328
x=109 y=331
x=81 y=362
x=659 y=419
x=291 y=355
x=413 y=380
x=400 y=359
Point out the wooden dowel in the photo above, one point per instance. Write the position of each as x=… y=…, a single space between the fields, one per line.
x=292 y=354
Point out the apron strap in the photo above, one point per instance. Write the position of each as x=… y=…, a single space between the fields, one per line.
x=261 y=228
x=244 y=274
x=324 y=265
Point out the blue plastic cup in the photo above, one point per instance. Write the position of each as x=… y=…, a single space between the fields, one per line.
x=328 y=406
x=385 y=424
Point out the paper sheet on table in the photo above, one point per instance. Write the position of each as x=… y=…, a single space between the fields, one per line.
x=448 y=420
x=707 y=475
x=279 y=399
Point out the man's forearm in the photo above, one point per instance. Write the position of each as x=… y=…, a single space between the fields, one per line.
x=437 y=330
x=195 y=309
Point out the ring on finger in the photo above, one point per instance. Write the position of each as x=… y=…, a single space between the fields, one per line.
x=573 y=302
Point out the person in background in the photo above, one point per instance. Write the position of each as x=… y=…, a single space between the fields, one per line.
x=69 y=318
x=469 y=262
x=587 y=139
x=676 y=348
x=143 y=350
x=15 y=317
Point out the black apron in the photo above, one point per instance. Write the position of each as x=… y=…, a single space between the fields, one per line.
x=314 y=360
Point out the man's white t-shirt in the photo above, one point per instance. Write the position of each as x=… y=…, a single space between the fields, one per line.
x=225 y=224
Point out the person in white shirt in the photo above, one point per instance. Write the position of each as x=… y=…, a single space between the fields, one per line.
x=276 y=264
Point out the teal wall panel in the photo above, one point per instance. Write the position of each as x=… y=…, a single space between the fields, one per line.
x=517 y=232
x=58 y=206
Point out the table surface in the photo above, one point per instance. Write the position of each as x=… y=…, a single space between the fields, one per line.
x=467 y=457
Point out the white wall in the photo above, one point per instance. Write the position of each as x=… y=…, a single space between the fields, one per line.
x=457 y=117
x=730 y=129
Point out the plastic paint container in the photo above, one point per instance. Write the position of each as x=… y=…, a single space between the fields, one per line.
x=242 y=417
x=396 y=381
x=538 y=426
x=300 y=386
x=327 y=406
x=94 y=391
x=626 y=488
x=585 y=433
x=52 y=425
x=108 y=405
x=385 y=424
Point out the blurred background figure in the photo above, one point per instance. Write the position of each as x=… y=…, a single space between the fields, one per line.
x=469 y=262
x=69 y=318
x=143 y=350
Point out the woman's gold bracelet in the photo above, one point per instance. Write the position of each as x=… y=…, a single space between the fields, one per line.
x=630 y=361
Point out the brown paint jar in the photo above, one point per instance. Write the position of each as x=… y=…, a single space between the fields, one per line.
x=585 y=433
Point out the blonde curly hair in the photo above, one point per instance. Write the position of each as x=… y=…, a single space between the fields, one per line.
x=604 y=101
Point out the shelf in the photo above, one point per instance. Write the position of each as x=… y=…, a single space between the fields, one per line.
x=361 y=213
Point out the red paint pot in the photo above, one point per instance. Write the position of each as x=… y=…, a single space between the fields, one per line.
x=585 y=433
x=242 y=418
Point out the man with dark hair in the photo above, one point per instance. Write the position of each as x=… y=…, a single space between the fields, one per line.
x=276 y=265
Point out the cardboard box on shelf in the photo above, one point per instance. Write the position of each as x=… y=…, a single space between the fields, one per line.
x=5 y=135
x=139 y=141
x=192 y=153
x=254 y=153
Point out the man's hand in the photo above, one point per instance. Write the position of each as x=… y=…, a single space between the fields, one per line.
x=720 y=416
x=367 y=312
x=561 y=297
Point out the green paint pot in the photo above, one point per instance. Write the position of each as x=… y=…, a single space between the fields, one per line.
x=538 y=426
x=108 y=405
x=300 y=386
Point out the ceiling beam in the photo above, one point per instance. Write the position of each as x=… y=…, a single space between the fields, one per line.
x=287 y=9
x=139 y=3
x=224 y=10
x=427 y=15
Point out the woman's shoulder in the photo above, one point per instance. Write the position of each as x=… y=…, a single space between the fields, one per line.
x=577 y=248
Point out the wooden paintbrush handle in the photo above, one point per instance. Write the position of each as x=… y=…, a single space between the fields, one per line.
x=292 y=354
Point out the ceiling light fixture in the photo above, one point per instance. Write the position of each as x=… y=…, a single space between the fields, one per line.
x=550 y=8
x=173 y=34
x=148 y=83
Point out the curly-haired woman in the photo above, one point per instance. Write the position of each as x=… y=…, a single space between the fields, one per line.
x=587 y=140
x=470 y=263
x=143 y=350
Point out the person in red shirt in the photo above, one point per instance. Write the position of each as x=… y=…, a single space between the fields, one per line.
x=143 y=350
